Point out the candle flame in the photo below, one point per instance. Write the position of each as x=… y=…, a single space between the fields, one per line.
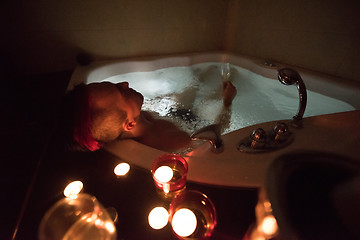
x=184 y=222
x=73 y=189
x=269 y=226
x=164 y=174
x=158 y=218
x=122 y=169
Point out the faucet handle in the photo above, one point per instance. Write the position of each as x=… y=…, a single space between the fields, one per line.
x=262 y=141
x=258 y=138
x=280 y=132
x=211 y=133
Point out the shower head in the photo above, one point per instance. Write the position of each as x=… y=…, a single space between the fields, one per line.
x=288 y=76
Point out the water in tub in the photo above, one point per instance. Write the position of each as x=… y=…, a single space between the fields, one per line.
x=191 y=96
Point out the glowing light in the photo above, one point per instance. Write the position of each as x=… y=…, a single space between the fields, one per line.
x=184 y=222
x=110 y=227
x=164 y=174
x=166 y=188
x=121 y=169
x=158 y=217
x=99 y=223
x=73 y=189
x=269 y=225
x=267 y=204
x=259 y=238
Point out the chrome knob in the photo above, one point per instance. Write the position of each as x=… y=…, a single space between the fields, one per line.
x=258 y=138
x=281 y=132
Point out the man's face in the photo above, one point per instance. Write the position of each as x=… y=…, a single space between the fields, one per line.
x=115 y=108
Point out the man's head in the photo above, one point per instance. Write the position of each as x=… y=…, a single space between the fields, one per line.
x=103 y=111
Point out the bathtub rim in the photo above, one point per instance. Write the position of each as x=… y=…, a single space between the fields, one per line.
x=342 y=89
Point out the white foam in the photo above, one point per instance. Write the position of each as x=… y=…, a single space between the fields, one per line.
x=191 y=96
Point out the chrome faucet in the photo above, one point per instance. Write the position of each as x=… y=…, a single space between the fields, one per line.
x=288 y=76
x=264 y=141
x=211 y=133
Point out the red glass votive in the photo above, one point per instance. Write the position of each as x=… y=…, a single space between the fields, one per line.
x=169 y=164
x=198 y=218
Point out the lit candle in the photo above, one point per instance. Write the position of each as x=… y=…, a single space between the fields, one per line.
x=164 y=174
x=73 y=189
x=169 y=174
x=184 y=222
x=158 y=218
x=121 y=169
x=269 y=226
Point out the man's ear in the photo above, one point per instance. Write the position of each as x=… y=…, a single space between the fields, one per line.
x=129 y=125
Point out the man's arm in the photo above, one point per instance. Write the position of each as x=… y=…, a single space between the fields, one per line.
x=228 y=93
x=165 y=135
x=158 y=133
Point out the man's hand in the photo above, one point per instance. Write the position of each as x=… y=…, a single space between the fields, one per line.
x=228 y=93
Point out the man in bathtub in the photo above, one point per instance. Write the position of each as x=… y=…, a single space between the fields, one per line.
x=100 y=113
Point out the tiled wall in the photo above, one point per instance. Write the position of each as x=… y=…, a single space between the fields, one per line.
x=323 y=35
x=46 y=35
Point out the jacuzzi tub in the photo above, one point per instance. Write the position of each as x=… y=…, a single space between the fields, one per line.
x=261 y=101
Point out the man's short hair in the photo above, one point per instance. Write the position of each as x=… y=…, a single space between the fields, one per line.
x=77 y=120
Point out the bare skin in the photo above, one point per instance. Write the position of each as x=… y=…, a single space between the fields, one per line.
x=228 y=93
x=116 y=114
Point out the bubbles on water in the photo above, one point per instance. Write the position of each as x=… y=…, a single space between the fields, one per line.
x=191 y=96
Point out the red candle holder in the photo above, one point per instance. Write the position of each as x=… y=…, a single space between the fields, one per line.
x=169 y=173
x=192 y=215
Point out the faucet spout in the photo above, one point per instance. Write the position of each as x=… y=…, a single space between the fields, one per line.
x=288 y=76
x=212 y=134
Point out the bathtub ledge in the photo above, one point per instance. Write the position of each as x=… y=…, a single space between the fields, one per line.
x=335 y=133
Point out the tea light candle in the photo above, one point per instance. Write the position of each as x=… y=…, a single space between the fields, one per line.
x=164 y=174
x=269 y=226
x=169 y=173
x=192 y=215
x=122 y=169
x=158 y=218
x=73 y=189
x=184 y=222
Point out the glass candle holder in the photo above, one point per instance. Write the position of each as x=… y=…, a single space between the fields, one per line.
x=192 y=215
x=169 y=173
x=82 y=217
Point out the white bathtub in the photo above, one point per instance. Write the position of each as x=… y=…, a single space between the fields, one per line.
x=232 y=168
x=335 y=87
